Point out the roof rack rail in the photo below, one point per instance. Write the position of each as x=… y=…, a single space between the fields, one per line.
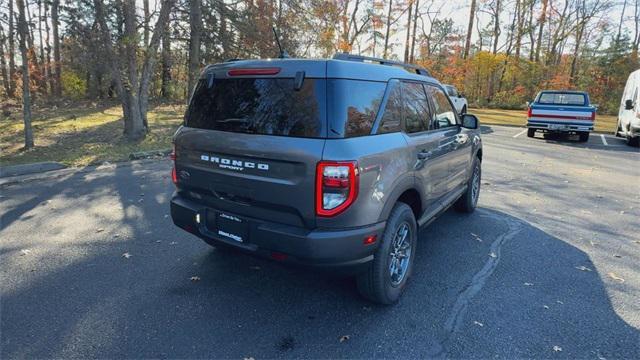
x=350 y=57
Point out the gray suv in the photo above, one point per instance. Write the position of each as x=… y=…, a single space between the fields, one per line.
x=330 y=163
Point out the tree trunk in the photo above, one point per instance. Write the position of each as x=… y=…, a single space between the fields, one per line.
x=12 y=54
x=51 y=79
x=519 y=14
x=133 y=124
x=43 y=64
x=388 y=31
x=23 y=33
x=147 y=17
x=150 y=58
x=3 y=62
x=472 y=16
x=532 y=36
x=624 y=7
x=543 y=18
x=166 y=63
x=406 y=41
x=55 y=5
x=496 y=27
x=195 y=19
x=576 y=49
x=413 y=38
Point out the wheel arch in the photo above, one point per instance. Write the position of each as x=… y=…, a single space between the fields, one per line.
x=407 y=192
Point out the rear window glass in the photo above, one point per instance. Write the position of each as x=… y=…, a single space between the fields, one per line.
x=354 y=105
x=562 y=99
x=259 y=106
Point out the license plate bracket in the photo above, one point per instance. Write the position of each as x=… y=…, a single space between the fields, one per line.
x=231 y=227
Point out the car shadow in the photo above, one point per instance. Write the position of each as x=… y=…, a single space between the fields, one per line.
x=484 y=285
x=613 y=144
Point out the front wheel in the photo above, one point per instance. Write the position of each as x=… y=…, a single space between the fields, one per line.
x=469 y=200
x=385 y=279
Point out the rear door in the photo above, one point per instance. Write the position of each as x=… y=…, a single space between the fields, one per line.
x=251 y=142
x=429 y=150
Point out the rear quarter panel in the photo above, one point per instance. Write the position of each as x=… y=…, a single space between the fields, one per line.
x=385 y=166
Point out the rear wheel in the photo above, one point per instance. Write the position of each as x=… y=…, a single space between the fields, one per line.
x=531 y=132
x=583 y=136
x=618 y=129
x=633 y=140
x=386 y=278
x=468 y=201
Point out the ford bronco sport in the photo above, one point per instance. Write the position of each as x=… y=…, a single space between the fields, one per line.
x=328 y=163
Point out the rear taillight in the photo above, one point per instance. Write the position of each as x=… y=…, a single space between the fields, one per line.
x=529 y=112
x=593 y=116
x=174 y=174
x=336 y=186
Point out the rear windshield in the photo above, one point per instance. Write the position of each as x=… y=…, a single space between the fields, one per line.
x=562 y=99
x=259 y=106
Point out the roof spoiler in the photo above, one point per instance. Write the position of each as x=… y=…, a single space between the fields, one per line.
x=409 y=67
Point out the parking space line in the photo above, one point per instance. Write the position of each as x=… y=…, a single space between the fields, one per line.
x=520 y=133
x=604 y=141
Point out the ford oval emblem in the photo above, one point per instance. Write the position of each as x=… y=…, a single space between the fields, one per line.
x=184 y=175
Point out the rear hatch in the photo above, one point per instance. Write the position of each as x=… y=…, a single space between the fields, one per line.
x=254 y=132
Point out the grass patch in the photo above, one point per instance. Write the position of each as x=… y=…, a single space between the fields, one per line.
x=83 y=134
x=604 y=123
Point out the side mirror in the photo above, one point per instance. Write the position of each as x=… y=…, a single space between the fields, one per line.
x=628 y=105
x=470 y=121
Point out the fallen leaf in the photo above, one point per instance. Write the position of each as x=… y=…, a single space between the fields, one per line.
x=344 y=338
x=617 y=256
x=528 y=284
x=173 y=243
x=24 y=252
x=126 y=255
x=615 y=277
x=493 y=255
x=478 y=323
x=116 y=235
x=99 y=230
x=545 y=306
x=559 y=302
x=194 y=278
x=166 y=216
x=583 y=268
x=158 y=241
x=557 y=348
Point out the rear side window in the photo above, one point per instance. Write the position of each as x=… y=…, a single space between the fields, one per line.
x=562 y=99
x=259 y=106
x=353 y=106
x=417 y=114
x=392 y=115
x=451 y=91
x=444 y=114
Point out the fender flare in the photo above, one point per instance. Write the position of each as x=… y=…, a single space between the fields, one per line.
x=406 y=183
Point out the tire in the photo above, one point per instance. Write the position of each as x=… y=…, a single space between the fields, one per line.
x=469 y=200
x=583 y=136
x=633 y=141
x=531 y=132
x=618 y=129
x=377 y=283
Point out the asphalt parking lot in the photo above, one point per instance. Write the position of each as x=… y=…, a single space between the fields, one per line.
x=546 y=268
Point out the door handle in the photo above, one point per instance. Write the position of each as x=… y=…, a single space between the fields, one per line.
x=424 y=155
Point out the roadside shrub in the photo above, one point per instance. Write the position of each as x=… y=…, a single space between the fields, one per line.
x=511 y=99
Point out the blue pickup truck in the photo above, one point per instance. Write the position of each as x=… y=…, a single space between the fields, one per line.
x=561 y=112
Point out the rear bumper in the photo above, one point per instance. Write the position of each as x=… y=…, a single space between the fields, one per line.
x=560 y=126
x=337 y=250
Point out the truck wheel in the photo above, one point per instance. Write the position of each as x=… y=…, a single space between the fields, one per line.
x=618 y=129
x=633 y=140
x=531 y=132
x=584 y=136
x=468 y=201
x=386 y=277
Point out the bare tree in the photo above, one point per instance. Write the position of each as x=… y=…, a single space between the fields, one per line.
x=406 y=41
x=472 y=16
x=388 y=30
x=543 y=18
x=23 y=33
x=496 y=25
x=3 y=62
